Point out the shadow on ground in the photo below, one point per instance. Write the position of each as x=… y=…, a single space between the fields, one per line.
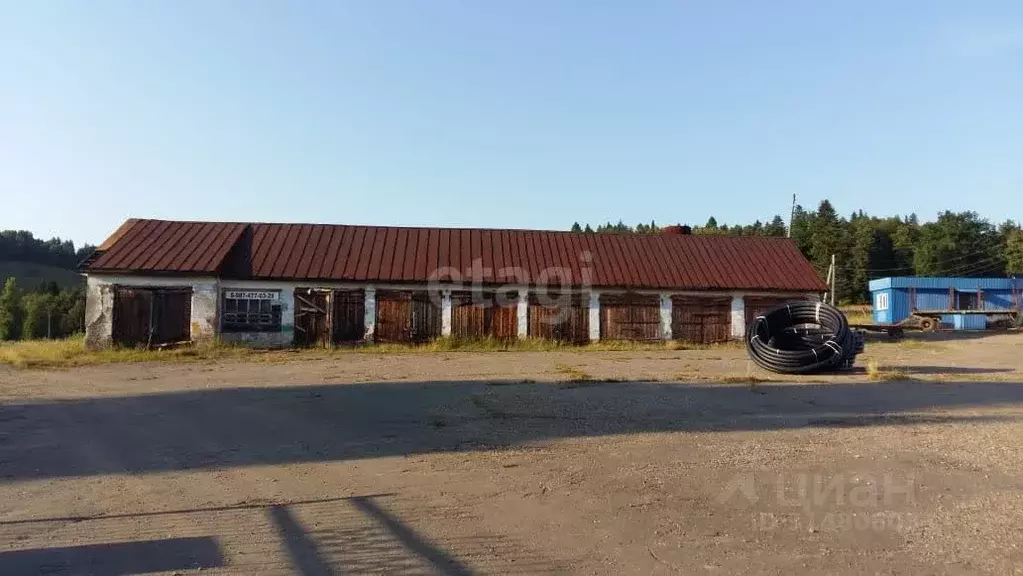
x=916 y=370
x=200 y=429
x=116 y=558
x=348 y=535
x=936 y=337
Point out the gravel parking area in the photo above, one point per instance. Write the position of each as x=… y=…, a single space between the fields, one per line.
x=547 y=462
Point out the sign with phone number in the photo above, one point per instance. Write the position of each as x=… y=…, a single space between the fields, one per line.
x=251 y=295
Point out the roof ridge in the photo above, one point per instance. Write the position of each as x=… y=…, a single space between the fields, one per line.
x=462 y=228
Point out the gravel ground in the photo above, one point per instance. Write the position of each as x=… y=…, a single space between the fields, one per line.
x=459 y=463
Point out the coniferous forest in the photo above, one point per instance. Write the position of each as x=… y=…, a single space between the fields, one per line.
x=867 y=247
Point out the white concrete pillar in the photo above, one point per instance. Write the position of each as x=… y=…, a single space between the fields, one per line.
x=594 y=316
x=666 y=316
x=445 y=313
x=99 y=313
x=287 y=337
x=738 y=316
x=370 y=313
x=205 y=302
x=522 y=314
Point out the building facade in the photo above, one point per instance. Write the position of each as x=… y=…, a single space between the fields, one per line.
x=158 y=282
x=961 y=303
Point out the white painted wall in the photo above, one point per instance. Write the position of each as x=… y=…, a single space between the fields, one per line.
x=205 y=306
x=99 y=317
x=99 y=303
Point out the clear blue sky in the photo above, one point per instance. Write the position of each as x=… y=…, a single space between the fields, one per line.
x=509 y=114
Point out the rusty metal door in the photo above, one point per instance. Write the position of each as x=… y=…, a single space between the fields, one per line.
x=394 y=317
x=630 y=317
x=560 y=317
x=151 y=316
x=426 y=317
x=312 y=317
x=407 y=316
x=483 y=315
x=702 y=320
x=349 y=323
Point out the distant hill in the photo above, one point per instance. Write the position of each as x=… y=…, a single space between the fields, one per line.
x=33 y=261
x=29 y=275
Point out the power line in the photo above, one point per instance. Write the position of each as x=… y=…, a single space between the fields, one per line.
x=991 y=251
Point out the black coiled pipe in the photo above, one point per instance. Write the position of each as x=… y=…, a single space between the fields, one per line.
x=801 y=338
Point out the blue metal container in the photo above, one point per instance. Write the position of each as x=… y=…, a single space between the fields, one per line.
x=969 y=322
x=896 y=298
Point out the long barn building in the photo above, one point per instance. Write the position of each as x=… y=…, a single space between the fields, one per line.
x=157 y=282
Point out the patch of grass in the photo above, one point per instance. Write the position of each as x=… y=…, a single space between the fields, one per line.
x=878 y=373
x=858 y=313
x=71 y=352
x=573 y=373
x=749 y=380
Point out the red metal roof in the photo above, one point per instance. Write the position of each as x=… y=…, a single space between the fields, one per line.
x=393 y=254
x=166 y=246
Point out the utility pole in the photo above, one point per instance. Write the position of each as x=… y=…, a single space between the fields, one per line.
x=830 y=281
x=792 y=215
x=834 y=272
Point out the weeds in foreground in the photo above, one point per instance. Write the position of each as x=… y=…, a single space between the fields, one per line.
x=858 y=313
x=573 y=373
x=878 y=373
x=71 y=352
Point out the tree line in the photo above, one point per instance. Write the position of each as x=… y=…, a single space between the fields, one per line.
x=867 y=247
x=22 y=246
x=45 y=310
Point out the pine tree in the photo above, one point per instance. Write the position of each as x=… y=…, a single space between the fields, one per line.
x=776 y=227
x=10 y=311
x=1014 y=252
x=576 y=227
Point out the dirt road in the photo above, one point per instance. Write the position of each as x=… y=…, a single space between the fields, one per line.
x=516 y=462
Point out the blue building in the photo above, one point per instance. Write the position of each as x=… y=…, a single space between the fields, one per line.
x=961 y=303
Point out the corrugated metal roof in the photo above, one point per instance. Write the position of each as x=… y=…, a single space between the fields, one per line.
x=167 y=246
x=393 y=254
x=121 y=231
x=941 y=283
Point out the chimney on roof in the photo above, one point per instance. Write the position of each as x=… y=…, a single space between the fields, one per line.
x=677 y=229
